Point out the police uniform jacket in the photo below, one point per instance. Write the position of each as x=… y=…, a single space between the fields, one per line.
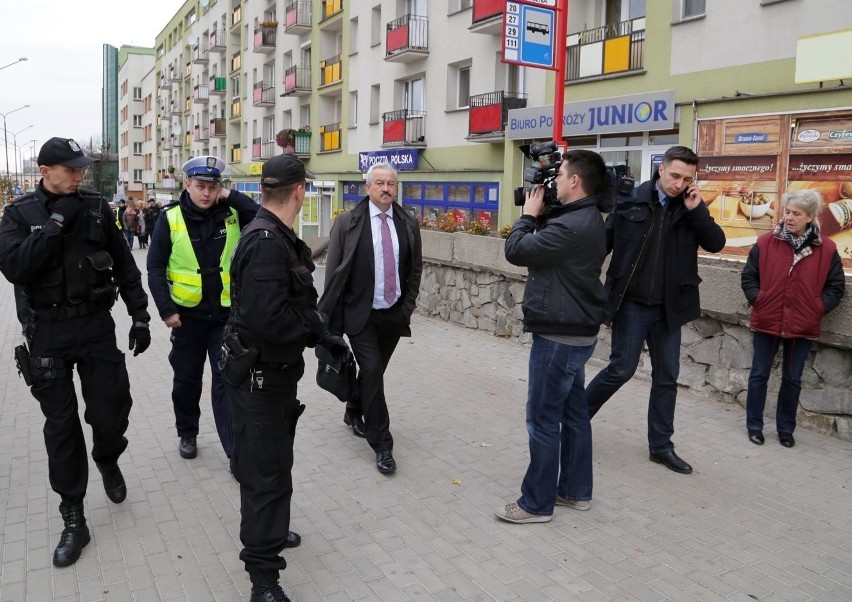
x=73 y=270
x=206 y=230
x=273 y=299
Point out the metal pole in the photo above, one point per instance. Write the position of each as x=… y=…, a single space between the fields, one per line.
x=560 y=47
x=6 y=144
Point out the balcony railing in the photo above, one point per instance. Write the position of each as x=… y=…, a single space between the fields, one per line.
x=236 y=108
x=330 y=70
x=217 y=40
x=165 y=82
x=236 y=153
x=329 y=137
x=200 y=93
x=303 y=144
x=217 y=85
x=297 y=81
x=217 y=127
x=236 y=61
x=404 y=127
x=264 y=38
x=262 y=149
x=615 y=48
x=200 y=134
x=199 y=52
x=263 y=94
x=488 y=113
x=486 y=9
x=175 y=75
x=297 y=17
x=331 y=8
x=407 y=39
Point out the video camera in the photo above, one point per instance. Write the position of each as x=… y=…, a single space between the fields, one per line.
x=546 y=158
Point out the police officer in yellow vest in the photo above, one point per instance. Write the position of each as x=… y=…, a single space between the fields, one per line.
x=189 y=261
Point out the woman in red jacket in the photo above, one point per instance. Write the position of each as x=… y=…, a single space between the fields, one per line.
x=792 y=278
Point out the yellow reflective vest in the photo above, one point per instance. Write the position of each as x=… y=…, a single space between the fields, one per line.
x=183 y=271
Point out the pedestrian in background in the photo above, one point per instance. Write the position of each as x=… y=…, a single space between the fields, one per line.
x=189 y=265
x=273 y=318
x=563 y=245
x=792 y=278
x=60 y=247
x=652 y=284
x=150 y=213
x=130 y=221
x=372 y=280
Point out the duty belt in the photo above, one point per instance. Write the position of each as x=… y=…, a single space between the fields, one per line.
x=64 y=312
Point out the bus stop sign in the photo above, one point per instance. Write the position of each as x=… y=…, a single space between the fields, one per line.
x=529 y=33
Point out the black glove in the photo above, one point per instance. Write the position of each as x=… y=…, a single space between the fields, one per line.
x=334 y=343
x=68 y=207
x=317 y=322
x=140 y=337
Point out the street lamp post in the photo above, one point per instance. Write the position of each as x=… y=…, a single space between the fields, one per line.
x=5 y=137
x=15 y=142
x=32 y=160
x=23 y=58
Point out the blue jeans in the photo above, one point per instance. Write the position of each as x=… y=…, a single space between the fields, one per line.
x=635 y=324
x=792 y=364
x=558 y=426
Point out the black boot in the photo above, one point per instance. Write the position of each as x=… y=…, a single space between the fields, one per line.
x=268 y=593
x=75 y=535
x=114 y=484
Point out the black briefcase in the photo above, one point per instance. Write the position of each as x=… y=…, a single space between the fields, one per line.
x=337 y=373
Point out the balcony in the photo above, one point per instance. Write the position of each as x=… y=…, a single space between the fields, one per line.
x=217 y=127
x=166 y=143
x=264 y=37
x=200 y=93
x=175 y=74
x=236 y=62
x=297 y=81
x=404 y=127
x=607 y=50
x=216 y=39
x=236 y=153
x=165 y=83
x=303 y=144
x=330 y=70
x=263 y=94
x=200 y=134
x=236 y=108
x=329 y=138
x=487 y=17
x=331 y=8
x=407 y=39
x=262 y=150
x=166 y=112
x=199 y=53
x=488 y=113
x=217 y=85
x=297 y=17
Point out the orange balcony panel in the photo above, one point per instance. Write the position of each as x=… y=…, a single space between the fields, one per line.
x=617 y=54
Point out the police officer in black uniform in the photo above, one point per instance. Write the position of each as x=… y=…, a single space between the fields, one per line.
x=273 y=319
x=61 y=249
x=188 y=276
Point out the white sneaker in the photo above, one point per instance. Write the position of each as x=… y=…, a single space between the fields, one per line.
x=581 y=505
x=512 y=513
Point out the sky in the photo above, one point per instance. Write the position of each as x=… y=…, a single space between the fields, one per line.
x=62 y=76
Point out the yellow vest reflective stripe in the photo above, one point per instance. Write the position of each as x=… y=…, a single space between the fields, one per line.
x=183 y=269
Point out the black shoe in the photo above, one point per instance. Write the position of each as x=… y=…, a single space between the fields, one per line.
x=357 y=424
x=188 y=448
x=114 y=484
x=268 y=593
x=755 y=437
x=75 y=535
x=293 y=540
x=786 y=439
x=385 y=462
x=671 y=461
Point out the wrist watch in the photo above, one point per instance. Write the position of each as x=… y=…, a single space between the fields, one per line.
x=58 y=218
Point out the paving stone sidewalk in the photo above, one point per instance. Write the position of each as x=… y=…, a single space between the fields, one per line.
x=751 y=523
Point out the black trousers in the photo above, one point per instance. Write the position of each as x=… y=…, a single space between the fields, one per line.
x=265 y=412
x=192 y=343
x=373 y=348
x=88 y=344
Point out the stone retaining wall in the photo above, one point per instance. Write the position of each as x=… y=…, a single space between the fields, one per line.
x=467 y=281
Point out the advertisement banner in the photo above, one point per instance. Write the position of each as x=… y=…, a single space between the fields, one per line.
x=831 y=176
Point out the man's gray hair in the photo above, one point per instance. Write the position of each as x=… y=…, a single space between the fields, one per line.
x=385 y=165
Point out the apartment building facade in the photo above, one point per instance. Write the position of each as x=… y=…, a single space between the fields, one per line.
x=135 y=94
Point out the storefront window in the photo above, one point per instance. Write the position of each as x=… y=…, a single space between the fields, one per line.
x=620 y=140
x=664 y=138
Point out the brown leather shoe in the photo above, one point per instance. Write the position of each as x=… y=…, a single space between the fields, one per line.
x=357 y=424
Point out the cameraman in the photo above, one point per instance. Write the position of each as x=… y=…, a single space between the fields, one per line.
x=563 y=246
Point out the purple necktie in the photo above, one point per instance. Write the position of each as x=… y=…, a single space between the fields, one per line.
x=388 y=260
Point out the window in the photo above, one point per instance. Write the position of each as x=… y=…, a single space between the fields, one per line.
x=137 y=121
x=137 y=93
x=458 y=5
x=413 y=94
x=374 y=104
x=692 y=8
x=463 y=97
x=353 y=35
x=353 y=109
x=376 y=26
x=137 y=148
x=137 y=175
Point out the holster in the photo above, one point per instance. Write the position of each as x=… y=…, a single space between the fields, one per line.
x=238 y=359
x=22 y=361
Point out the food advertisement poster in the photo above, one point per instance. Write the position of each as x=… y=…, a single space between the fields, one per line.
x=741 y=194
x=831 y=176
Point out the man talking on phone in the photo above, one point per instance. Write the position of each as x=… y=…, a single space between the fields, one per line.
x=652 y=284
